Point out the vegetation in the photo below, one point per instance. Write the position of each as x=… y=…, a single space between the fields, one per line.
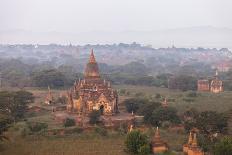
x=69 y=122
x=208 y=122
x=94 y=117
x=137 y=143
x=37 y=126
x=51 y=77
x=223 y=147
x=4 y=124
x=162 y=114
x=14 y=104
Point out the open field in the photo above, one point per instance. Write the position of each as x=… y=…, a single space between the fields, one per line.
x=221 y=102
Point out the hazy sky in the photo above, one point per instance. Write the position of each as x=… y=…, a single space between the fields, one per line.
x=115 y=15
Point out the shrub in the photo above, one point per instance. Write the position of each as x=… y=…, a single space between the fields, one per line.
x=37 y=126
x=192 y=94
x=101 y=131
x=77 y=130
x=69 y=122
x=94 y=116
x=136 y=142
x=224 y=147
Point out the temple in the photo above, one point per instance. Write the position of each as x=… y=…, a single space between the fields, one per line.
x=92 y=92
x=203 y=85
x=192 y=148
x=158 y=145
x=215 y=85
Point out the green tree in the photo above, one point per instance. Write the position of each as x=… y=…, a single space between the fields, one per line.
x=224 y=147
x=137 y=143
x=211 y=122
x=94 y=116
x=133 y=104
x=69 y=122
x=162 y=114
x=4 y=124
x=15 y=104
x=37 y=126
x=51 y=77
x=147 y=109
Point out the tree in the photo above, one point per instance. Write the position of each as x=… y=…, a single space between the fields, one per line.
x=210 y=122
x=37 y=126
x=15 y=104
x=162 y=114
x=183 y=82
x=51 y=77
x=147 y=109
x=224 y=147
x=4 y=124
x=69 y=122
x=137 y=143
x=133 y=104
x=94 y=116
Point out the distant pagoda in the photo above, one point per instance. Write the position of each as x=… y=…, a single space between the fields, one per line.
x=92 y=92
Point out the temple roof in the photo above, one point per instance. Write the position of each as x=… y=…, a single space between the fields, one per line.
x=91 y=69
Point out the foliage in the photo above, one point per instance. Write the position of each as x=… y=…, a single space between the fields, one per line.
x=224 y=147
x=15 y=104
x=101 y=131
x=147 y=109
x=78 y=130
x=162 y=114
x=4 y=124
x=133 y=104
x=211 y=122
x=37 y=126
x=145 y=150
x=136 y=142
x=69 y=122
x=183 y=82
x=94 y=116
x=51 y=77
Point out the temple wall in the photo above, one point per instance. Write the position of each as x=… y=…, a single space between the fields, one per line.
x=159 y=149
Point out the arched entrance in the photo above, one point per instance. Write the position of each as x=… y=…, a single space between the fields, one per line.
x=101 y=109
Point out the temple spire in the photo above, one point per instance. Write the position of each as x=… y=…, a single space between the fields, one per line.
x=194 y=142
x=91 y=69
x=92 y=57
x=190 y=140
x=157 y=134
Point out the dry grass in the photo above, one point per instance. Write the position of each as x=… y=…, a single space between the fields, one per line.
x=65 y=146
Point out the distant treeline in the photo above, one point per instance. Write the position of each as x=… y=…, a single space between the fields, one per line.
x=18 y=74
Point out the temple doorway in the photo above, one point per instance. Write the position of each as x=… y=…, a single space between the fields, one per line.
x=102 y=109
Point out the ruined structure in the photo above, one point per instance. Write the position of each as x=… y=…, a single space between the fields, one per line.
x=203 y=85
x=92 y=92
x=192 y=148
x=215 y=85
x=158 y=145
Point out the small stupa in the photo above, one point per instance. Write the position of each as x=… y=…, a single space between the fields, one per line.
x=158 y=145
x=192 y=148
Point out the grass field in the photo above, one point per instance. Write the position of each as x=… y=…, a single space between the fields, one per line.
x=220 y=102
